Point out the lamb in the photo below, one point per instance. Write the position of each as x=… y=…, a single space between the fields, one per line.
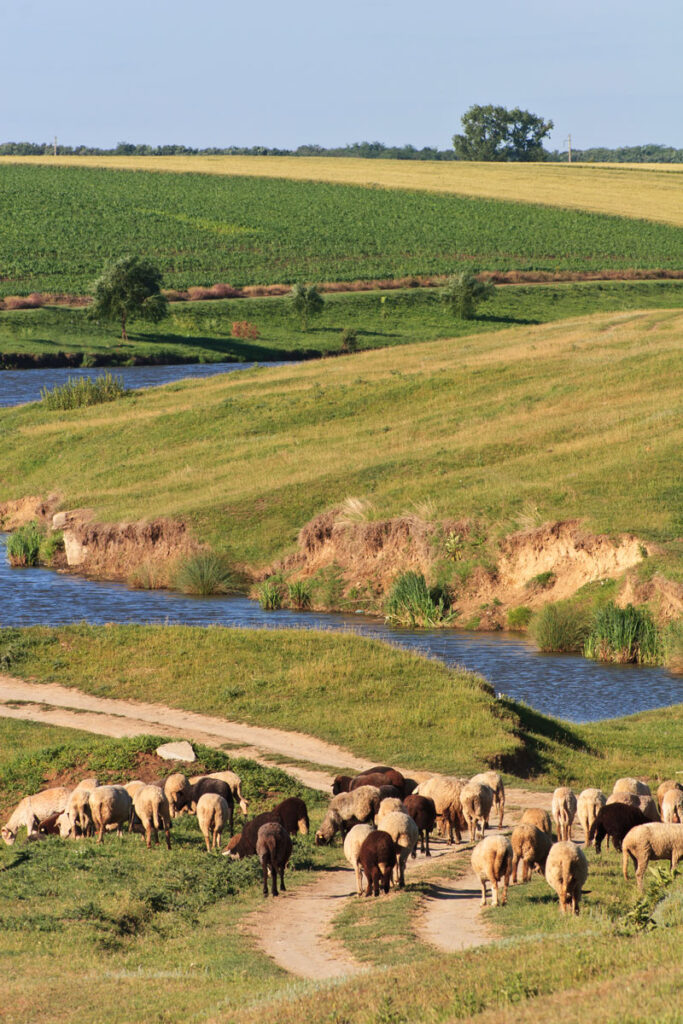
x=644 y=803
x=614 y=821
x=405 y=833
x=208 y=785
x=274 y=848
x=178 y=791
x=244 y=843
x=566 y=871
x=588 y=805
x=634 y=786
x=235 y=783
x=492 y=863
x=151 y=807
x=444 y=790
x=477 y=800
x=293 y=814
x=664 y=787
x=352 y=844
x=494 y=780
x=34 y=809
x=539 y=818
x=110 y=805
x=423 y=812
x=672 y=806
x=346 y=810
x=388 y=777
x=564 y=812
x=532 y=847
x=212 y=814
x=653 y=841
x=377 y=859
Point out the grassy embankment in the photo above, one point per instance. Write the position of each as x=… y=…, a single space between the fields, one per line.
x=651 y=192
x=382 y=704
x=202 y=331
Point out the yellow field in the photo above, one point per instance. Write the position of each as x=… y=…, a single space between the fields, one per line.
x=647 y=191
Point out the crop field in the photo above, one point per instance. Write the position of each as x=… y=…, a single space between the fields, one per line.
x=61 y=224
x=643 y=191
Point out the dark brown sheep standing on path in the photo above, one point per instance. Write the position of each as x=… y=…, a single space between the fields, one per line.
x=422 y=810
x=377 y=858
x=293 y=814
x=274 y=848
x=244 y=843
x=615 y=821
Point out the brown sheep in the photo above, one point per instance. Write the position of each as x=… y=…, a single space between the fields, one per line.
x=376 y=778
x=539 y=818
x=422 y=810
x=273 y=848
x=642 y=801
x=293 y=814
x=531 y=847
x=614 y=821
x=244 y=843
x=377 y=859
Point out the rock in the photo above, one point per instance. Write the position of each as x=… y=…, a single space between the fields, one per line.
x=59 y=520
x=180 y=751
x=76 y=553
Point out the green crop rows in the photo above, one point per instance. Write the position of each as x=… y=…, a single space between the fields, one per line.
x=60 y=224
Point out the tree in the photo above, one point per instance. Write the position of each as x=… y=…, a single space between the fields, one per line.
x=494 y=133
x=307 y=302
x=129 y=289
x=463 y=292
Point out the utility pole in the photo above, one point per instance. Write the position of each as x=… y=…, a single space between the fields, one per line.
x=55 y=146
x=568 y=140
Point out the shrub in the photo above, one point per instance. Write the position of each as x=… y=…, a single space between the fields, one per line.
x=243 y=329
x=23 y=547
x=88 y=360
x=462 y=294
x=205 y=574
x=454 y=546
x=300 y=594
x=270 y=595
x=559 y=627
x=147 y=576
x=672 y=645
x=32 y=301
x=349 y=340
x=542 y=581
x=50 y=545
x=307 y=302
x=624 y=635
x=410 y=602
x=82 y=391
x=520 y=617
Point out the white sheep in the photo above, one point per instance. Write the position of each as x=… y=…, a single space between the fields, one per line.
x=654 y=841
x=492 y=863
x=212 y=815
x=566 y=871
x=531 y=846
x=78 y=812
x=352 y=844
x=539 y=818
x=672 y=806
x=134 y=787
x=629 y=785
x=178 y=792
x=151 y=807
x=406 y=835
x=348 y=809
x=235 y=783
x=110 y=805
x=564 y=812
x=494 y=780
x=643 y=802
x=664 y=787
x=30 y=811
x=588 y=804
x=477 y=800
x=444 y=790
x=390 y=803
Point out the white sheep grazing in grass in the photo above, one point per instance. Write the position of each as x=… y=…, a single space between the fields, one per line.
x=588 y=804
x=477 y=800
x=235 y=783
x=34 y=809
x=134 y=787
x=643 y=802
x=664 y=787
x=492 y=863
x=346 y=810
x=629 y=785
x=151 y=807
x=352 y=844
x=672 y=806
x=110 y=806
x=494 y=780
x=78 y=812
x=178 y=792
x=212 y=814
x=531 y=847
x=539 y=818
x=444 y=790
x=406 y=835
x=654 y=841
x=564 y=812
x=566 y=871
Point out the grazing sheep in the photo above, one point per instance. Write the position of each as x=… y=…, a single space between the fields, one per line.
x=377 y=859
x=564 y=812
x=672 y=806
x=566 y=871
x=212 y=814
x=53 y=825
x=178 y=792
x=444 y=790
x=235 y=783
x=494 y=780
x=532 y=847
x=389 y=793
x=492 y=863
x=244 y=843
x=293 y=814
x=352 y=844
x=346 y=810
x=89 y=783
x=614 y=821
x=664 y=787
x=273 y=848
x=151 y=807
x=389 y=803
x=403 y=830
x=389 y=777
x=644 y=803
x=78 y=812
x=539 y=818
x=341 y=784
x=588 y=805
x=134 y=787
x=34 y=809
x=653 y=841
x=477 y=800
x=423 y=812
x=208 y=785
x=110 y=805
x=634 y=786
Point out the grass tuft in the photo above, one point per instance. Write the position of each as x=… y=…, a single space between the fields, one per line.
x=411 y=603
x=81 y=391
x=23 y=547
x=206 y=574
x=559 y=627
x=299 y=594
x=270 y=595
x=624 y=635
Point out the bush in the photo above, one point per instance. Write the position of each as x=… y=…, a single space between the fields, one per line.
x=520 y=617
x=243 y=329
x=462 y=294
x=672 y=644
x=542 y=581
x=147 y=576
x=559 y=627
x=270 y=595
x=410 y=602
x=349 y=340
x=50 y=545
x=300 y=594
x=307 y=302
x=205 y=574
x=82 y=391
x=624 y=635
x=23 y=547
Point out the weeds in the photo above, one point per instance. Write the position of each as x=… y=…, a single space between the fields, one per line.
x=559 y=627
x=643 y=916
x=147 y=576
x=81 y=391
x=349 y=340
x=270 y=595
x=23 y=547
x=300 y=594
x=624 y=635
x=543 y=581
x=520 y=617
x=205 y=574
x=411 y=603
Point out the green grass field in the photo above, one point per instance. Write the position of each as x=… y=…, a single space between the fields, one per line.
x=60 y=224
x=201 y=331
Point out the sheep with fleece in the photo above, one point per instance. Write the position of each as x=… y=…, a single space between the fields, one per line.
x=664 y=787
x=492 y=863
x=613 y=822
x=110 y=805
x=423 y=812
x=641 y=801
x=151 y=807
x=444 y=790
x=539 y=818
x=653 y=841
x=494 y=780
x=352 y=844
x=134 y=786
x=273 y=849
x=566 y=871
x=477 y=800
x=672 y=806
x=30 y=811
x=235 y=783
x=588 y=805
x=406 y=835
x=564 y=812
x=531 y=847
x=634 y=786
x=377 y=858
x=212 y=814
x=178 y=792
x=346 y=810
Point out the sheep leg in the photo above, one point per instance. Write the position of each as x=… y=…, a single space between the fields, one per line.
x=282 y=878
x=264 y=869
x=100 y=832
x=148 y=836
x=482 y=883
x=206 y=840
x=167 y=832
x=640 y=871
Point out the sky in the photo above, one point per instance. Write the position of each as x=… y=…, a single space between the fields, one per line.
x=222 y=73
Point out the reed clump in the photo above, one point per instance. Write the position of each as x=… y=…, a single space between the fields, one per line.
x=206 y=574
x=82 y=391
x=23 y=547
x=412 y=603
x=623 y=635
x=560 y=627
